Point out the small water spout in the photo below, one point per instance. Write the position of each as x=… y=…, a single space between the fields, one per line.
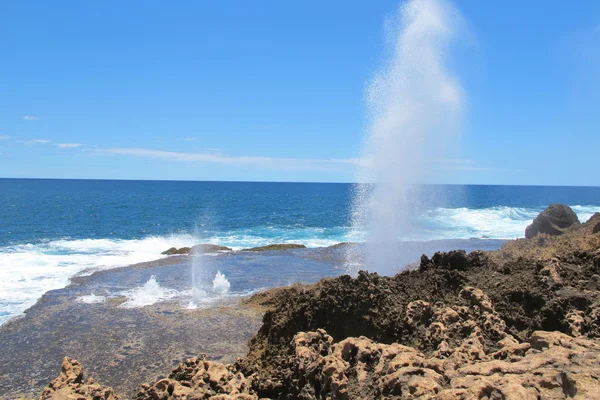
x=220 y=284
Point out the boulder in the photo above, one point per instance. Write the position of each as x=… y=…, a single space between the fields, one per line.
x=284 y=246
x=171 y=251
x=553 y=221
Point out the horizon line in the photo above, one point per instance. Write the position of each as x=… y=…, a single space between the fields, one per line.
x=307 y=182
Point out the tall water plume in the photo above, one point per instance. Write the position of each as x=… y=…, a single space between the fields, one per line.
x=414 y=104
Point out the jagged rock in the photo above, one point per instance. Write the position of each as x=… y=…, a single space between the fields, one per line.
x=457 y=260
x=198 y=378
x=559 y=366
x=552 y=221
x=271 y=247
x=70 y=385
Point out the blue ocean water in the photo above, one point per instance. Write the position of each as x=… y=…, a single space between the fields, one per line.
x=51 y=230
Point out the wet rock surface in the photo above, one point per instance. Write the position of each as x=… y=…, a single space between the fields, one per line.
x=120 y=347
x=197 y=249
x=275 y=247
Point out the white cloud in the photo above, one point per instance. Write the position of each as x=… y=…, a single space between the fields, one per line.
x=4 y=137
x=264 y=162
x=31 y=118
x=68 y=145
x=282 y=163
x=34 y=141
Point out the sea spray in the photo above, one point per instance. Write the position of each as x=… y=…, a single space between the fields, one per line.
x=220 y=284
x=149 y=293
x=198 y=278
x=414 y=104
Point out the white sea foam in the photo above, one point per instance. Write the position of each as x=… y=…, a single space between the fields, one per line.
x=27 y=271
x=495 y=222
x=220 y=284
x=585 y=212
x=147 y=294
x=91 y=299
x=255 y=237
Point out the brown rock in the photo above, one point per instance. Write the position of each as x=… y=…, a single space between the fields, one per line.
x=198 y=378
x=70 y=385
x=553 y=221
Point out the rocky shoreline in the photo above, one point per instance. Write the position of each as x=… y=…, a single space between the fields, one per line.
x=518 y=323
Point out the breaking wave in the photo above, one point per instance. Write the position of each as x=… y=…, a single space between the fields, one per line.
x=29 y=270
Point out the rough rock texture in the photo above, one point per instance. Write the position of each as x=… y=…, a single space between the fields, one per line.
x=518 y=323
x=70 y=385
x=271 y=247
x=550 y=365
x=198 y=378
x=197 y=249
x=595 y=222
x=552 y=221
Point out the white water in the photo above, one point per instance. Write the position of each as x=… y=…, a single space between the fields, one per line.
x=414 y=102
x=220 y=287
x=27 y=271
x=149 y=293
x=220 y=284
x=91 y=299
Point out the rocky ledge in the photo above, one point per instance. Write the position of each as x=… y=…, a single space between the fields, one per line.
x=197 y=249
x=213 y=248
x=522 y=322
x=276 y=247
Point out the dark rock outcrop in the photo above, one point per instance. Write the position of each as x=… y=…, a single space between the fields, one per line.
x=207 y=248
x=553 y=221
x=197 y=249
x=272 y=247
x=175 y=251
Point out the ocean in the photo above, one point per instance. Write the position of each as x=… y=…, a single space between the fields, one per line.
x=52 y=230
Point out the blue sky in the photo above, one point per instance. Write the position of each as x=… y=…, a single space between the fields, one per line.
x=274 y=90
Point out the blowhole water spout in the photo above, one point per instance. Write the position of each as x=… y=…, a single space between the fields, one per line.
x=414 y=104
